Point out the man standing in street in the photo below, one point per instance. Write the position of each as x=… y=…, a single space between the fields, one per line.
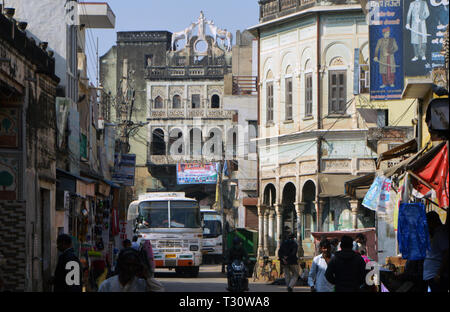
x=66 y=269
x=347 y=269
x=288 y=259
x=316 y=279
x=435 y=266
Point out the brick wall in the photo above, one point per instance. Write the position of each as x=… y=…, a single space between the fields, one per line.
x=12 y=244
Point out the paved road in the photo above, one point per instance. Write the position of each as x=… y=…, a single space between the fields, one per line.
x=211 y=279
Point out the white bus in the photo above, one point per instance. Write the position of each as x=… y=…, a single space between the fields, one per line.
x=212 y=235
x=171 y=222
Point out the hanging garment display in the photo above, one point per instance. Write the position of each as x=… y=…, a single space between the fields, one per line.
x=413 y=237
x=435 y=173
x=378 y=196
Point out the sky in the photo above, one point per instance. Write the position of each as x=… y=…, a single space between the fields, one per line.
x=171 y=15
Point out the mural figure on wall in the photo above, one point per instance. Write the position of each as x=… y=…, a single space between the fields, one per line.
x=384 y=55
x=418 y=12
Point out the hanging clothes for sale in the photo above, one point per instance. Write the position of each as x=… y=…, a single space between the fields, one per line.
x=432 y=168
x=413 y=236
x=378 y=196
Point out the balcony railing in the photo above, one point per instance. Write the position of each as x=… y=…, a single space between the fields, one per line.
x=187 y=72
x=192 y=113
x=245 y=85
x=271 y=9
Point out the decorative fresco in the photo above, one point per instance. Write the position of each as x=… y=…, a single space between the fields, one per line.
x=9 y=168
x=9 y=127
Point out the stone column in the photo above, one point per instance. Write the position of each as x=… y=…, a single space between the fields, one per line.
x=271 y=230
x=299 y=209
x=279 y=238
x=354 y=203
x=261 y=209
x=266 y=232
x=319 y=204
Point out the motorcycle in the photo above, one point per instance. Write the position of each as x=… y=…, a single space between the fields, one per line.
x=238 y=281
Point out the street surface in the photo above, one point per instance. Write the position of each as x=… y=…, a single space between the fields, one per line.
x=211 y=279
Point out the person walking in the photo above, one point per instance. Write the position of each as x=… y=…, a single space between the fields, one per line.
x=347 y=269
x=132 y=275
x=316 y=279
x=435 y=266
x=334 y=246
x=126 y=244
x=288 y=259
x=59 y=281
x=134 y=243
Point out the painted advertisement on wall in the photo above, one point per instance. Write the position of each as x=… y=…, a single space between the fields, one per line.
x=197 y=173
x=425 y=23
x=386 y=49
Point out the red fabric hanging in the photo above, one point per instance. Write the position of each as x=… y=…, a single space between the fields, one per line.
x=435 y=173
x=115 y=222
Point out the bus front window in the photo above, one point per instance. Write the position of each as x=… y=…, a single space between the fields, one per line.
x=155 y=214
x=184 y=214
x=212 y=226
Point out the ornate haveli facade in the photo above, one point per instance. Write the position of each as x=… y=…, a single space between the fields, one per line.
x=311 y=139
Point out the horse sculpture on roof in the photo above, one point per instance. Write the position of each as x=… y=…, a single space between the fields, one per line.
x=184 y=34
x=221 y=34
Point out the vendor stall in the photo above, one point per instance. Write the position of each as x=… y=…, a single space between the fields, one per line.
x=369 y=233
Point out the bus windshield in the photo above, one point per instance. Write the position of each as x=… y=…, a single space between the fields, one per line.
x=155 y=214
x=212 y=225
x=183 y=214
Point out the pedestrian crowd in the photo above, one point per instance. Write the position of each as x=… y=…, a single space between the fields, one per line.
x=134 y=271
x=344 y=266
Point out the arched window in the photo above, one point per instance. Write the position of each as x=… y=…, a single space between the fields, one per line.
x=215 y=101
x=195 y=142
x=159 y=102
x=176 y=102
x=158 y=146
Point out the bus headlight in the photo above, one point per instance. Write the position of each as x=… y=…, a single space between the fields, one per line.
x=193 y=248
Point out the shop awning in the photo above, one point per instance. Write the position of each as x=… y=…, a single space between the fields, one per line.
x=250 y=201
x=358 y=187
x=403 y=164
x=83 y=179
x=111 y=183
x=398 y=151
x=333 y=185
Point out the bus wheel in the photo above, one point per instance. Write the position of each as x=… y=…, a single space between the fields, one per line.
x=193 y=271
x=179 y=271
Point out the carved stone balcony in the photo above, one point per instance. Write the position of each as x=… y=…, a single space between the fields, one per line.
x=272 y=9
x=201 y=72
x=191 y=113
